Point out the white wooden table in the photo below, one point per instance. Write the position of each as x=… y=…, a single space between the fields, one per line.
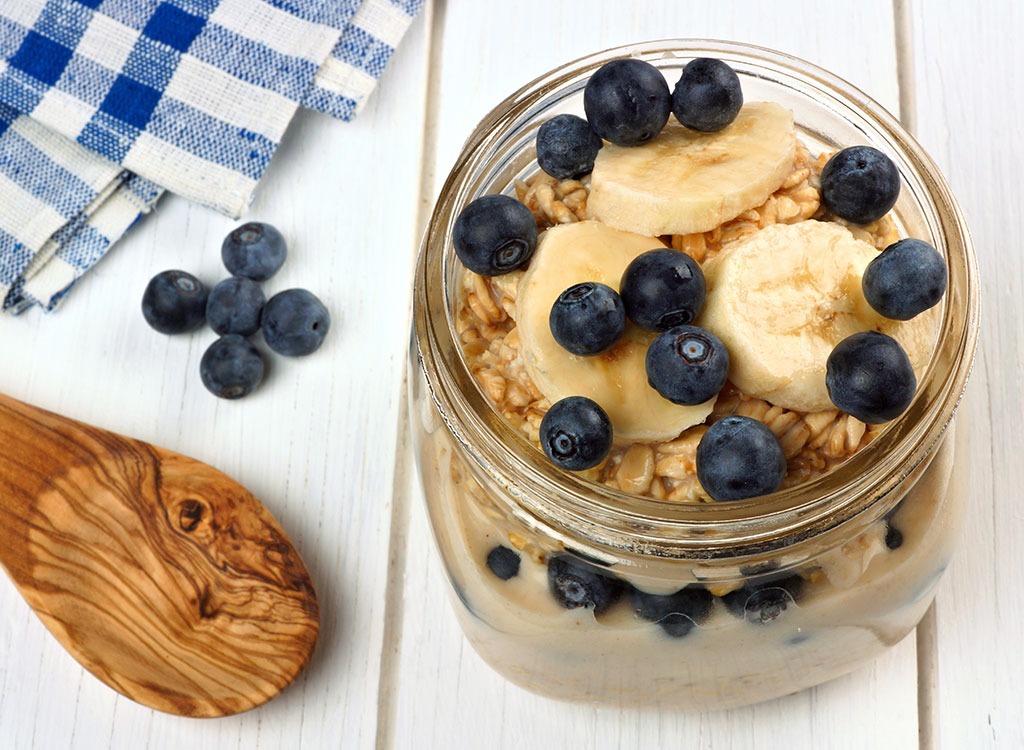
x=324 y=441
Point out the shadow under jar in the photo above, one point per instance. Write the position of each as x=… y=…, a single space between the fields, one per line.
x=693 y=605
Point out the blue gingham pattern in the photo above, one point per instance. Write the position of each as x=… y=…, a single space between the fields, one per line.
x=61 y=207
x=106 y=103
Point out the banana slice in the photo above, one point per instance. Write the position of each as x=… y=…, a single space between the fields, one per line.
x=617 y=380
x=684 y=181
x=780 y=301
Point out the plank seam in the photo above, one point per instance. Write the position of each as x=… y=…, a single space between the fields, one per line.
x=391 y=641
x=925 y=634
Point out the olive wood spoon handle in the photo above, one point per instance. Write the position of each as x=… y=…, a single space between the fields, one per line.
x=161 y=575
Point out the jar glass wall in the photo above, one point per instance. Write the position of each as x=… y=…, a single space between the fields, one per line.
x=694 y=605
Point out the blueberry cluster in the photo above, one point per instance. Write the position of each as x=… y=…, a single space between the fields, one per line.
x=627 y=102
x=576 y=583
x=661 y=290
x=868 y=374
x=294 y=322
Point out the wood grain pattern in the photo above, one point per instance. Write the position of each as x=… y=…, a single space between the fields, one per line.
x=163 y=576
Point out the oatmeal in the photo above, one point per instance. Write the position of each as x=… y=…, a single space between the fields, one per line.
x=813 y=443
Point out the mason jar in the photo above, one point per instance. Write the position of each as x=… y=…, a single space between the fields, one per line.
x=581 y=591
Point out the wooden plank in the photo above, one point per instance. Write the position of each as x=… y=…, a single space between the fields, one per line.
x=446 y=695
x=968 y=117
x=315 y=442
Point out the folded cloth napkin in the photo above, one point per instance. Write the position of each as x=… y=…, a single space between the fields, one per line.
x=104 y=104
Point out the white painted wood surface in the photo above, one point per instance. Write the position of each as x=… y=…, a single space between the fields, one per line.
x=323 y=442
x=970 y=117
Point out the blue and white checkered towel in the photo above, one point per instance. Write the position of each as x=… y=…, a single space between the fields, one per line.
x=106 y=103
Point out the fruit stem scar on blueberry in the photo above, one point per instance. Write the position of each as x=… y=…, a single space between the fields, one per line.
x=663 y=288
x=576 y=433
x=255 y=250
x=494 y=234
x=687 y=365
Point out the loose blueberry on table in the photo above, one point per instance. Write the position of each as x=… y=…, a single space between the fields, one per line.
x=235 y=305
x=174 y=302
x=295 y=322
x=231 y=367
x=255 y=250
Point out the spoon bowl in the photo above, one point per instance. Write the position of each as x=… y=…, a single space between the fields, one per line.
x=161 y=575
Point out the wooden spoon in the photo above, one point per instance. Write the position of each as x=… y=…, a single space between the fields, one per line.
x=161 y=575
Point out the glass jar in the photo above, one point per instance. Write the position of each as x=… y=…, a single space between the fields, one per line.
x=694 y=605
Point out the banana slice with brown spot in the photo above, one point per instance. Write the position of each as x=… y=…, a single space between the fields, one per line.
x=684 y=181
x=617 y=379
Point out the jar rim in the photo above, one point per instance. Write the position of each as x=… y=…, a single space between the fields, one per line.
x=600 y=514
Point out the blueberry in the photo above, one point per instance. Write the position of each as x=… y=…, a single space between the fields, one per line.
x=587 y=318
x=708 y=95
x=174 y=302
x=893 y=536
x=567 y=147
x=627 y=101
x=869 y=376
x=503 y=562
x=231 y=367
x=687 y=365
x=905 y=279
x=738 y=458
x=576 y=433
x=234 y=306
x=860 y=184
x=764 y=601
x=677 y=613
x=662 y=289
x=575 y=584
x=295 y=322
x=494 y=234
x=254 y=250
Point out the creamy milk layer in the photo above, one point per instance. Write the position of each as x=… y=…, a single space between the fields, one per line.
x=856 y=601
